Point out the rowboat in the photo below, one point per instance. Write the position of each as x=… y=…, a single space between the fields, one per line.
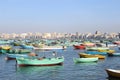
x=113 y=54
x=95 y=52
x=3 y=51
x=113 y=73
x=89 y=44
x=40 y=61
x=6 y=47
x=84 y=55
x=79 y=46
x=108 y=51
x=85 y=60
x=27 y=47
x=52 y=48
x=97 y=48
x=19 y=51
x=116 y=42
x=14 y=56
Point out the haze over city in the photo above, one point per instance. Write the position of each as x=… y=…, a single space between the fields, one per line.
x=18 y=16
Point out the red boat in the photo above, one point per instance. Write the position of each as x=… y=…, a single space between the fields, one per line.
x=116 y=42
x=81 y=46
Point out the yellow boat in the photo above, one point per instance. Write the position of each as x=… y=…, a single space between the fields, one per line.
x=108 y=51
x=6 y=47
x=84 y=55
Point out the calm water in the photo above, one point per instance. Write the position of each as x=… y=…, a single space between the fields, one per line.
x=69 y=70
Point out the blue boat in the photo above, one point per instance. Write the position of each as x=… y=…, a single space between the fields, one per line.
x=96 y=52
x=14 y=56
x=26 y=46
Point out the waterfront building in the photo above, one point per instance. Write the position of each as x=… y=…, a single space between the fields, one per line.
x=119 y=35
x=55 y=35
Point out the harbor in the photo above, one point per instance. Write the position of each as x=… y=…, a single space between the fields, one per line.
x=67 y=71
x=59 y=40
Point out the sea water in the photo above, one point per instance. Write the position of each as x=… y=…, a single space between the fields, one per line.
x=68 y=71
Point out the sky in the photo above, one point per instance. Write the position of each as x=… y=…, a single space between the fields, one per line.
x=19 y=16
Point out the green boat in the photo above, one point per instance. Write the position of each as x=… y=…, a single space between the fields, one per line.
x=96 y=48
x=3 y=51
x=40 y=61
x=85 y=60
x=19 y=51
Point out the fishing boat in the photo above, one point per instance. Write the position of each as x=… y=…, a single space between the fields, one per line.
x=19 y=51
x=40 y=61
x=96 y=48
x=107 y=44
x=84 y=55
x=113 y=54
x=113 y=73
x=50 y=48
x=14 y=56
x=108 y=51
x=116 y=42
x=26 y=46
x=79 y=46
x=95 y=52
x=3 y=51
x=85 y=60
x=53 y=48
x=89 y=44
x=6 y=47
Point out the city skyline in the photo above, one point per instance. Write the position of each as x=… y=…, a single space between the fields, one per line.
x=19 y=16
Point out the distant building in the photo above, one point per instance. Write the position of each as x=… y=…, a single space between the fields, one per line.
x=77 y=35
x=97 y=32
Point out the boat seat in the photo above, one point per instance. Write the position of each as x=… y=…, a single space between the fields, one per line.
x=40 y=58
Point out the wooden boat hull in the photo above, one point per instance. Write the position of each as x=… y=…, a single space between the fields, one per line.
x=14 y=56
x=89 y=44
x=96 y=52
x=6 y=47
x=108 y=51
x=82 y=47
x=42 y=62
x=3 y=51
x=83 y=55
x=113 y=73
x=85 y=60
x=53 y=48
x=113 y=54
x=9 y=58
x=19 y=51
x=27 y=47
x=97 y=48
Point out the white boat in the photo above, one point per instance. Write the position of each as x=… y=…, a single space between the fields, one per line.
x=113 y=73
x=52 y=47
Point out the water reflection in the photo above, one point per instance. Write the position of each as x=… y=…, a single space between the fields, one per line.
x=36 y=69
x=35 y=72
x=86 y=64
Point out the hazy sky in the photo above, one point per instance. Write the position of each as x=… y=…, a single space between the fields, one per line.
x=59 y=16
